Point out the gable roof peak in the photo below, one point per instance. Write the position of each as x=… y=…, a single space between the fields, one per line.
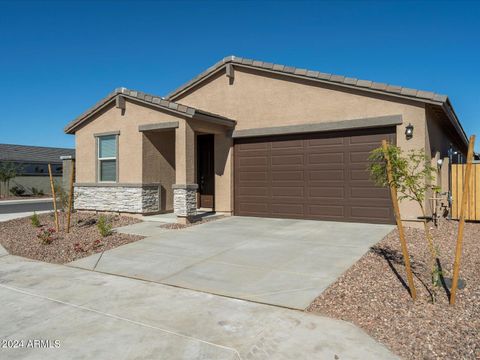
x=140 y=96
x=341 y=80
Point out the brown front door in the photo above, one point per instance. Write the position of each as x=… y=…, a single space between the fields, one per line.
x=320 y=176
x=206 y=171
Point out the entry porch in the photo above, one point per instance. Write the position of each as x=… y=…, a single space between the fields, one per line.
x=202 y=171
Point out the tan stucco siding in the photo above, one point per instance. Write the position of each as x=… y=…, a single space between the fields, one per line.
x=440 y=136
x=223 y=173
x=130 y=146
x=257 y=100
x=159 y=164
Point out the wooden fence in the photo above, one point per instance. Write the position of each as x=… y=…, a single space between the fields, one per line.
x=472 y=212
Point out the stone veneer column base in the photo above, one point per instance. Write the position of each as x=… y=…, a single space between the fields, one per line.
x=185 y=201
x=128 y=198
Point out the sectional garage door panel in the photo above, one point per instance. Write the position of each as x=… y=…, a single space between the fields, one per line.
x=315 y=176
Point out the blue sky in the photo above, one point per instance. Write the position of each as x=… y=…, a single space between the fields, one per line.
x=59 y=58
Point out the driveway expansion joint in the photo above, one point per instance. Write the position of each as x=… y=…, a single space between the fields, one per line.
x=102 y=313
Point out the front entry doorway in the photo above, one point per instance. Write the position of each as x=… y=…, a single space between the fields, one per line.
x=205 y=171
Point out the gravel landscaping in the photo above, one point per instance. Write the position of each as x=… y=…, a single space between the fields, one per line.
x=20 y=237
x=371 y=295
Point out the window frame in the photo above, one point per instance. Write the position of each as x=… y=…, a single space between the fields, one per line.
x=99 y=160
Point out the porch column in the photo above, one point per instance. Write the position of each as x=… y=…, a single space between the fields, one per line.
x=185 y=188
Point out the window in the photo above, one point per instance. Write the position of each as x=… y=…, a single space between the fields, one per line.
x=107 y=158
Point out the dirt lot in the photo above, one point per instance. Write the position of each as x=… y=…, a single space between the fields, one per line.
x=20 y=237
x=371 y=295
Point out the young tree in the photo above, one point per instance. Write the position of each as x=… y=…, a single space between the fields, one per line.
x=8 y=170
x=412 y=175
x=61 y=198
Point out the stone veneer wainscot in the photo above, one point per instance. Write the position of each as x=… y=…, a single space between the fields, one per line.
x=185 y=199
x=128 y=198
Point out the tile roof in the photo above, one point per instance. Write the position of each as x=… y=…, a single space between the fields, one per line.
x=144 y=97
x=25 y=153
x=340 y=80
x=315 y=75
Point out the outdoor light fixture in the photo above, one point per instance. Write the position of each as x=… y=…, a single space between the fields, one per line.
x=409 y=131
x=439 y=162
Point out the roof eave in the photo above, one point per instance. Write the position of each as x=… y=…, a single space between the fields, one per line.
x=205 y=116
x=452 y=116
x=163 y=105
x=72 y=127
x=212 y=70
x=393 y=91
x=398 y=92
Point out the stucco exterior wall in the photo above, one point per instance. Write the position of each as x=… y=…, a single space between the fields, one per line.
x=440 y=136
x=159 y=164
x=130 y=153
x=223 y=145
x=143 y=157
x=256 y=100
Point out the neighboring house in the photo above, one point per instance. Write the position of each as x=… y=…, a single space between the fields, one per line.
x=32 y=165
x=256 y=139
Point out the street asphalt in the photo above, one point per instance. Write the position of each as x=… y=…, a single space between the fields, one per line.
x=22 y=206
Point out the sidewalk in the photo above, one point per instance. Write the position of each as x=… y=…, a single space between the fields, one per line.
x=132 y=319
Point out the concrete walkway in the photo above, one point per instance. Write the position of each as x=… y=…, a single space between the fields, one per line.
x=3 y=252
x=273 y=261
x=99 y=316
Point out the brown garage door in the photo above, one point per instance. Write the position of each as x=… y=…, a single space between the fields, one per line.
x=315 y=176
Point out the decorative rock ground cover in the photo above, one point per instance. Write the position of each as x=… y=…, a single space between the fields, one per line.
x=372 y=294
x=20 y=237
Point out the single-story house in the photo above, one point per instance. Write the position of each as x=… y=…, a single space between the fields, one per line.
x=253 y=138
x=31 y=164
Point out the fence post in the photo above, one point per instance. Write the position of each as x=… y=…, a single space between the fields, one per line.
x=396 y=208
x=461 y=223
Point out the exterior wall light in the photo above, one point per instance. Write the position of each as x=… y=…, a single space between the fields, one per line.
x=439 y=162
x=409 y=131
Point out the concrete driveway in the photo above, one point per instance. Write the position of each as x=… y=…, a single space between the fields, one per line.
x=81 y=314
x=272 y=261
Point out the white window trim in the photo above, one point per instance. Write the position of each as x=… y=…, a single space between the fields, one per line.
x=99 y=159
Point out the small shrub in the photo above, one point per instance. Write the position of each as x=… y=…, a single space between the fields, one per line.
x=37 y=192
x=17 y=191
x=78 y=248
x=104 y=228
x=35 y=220
x=46 y=235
